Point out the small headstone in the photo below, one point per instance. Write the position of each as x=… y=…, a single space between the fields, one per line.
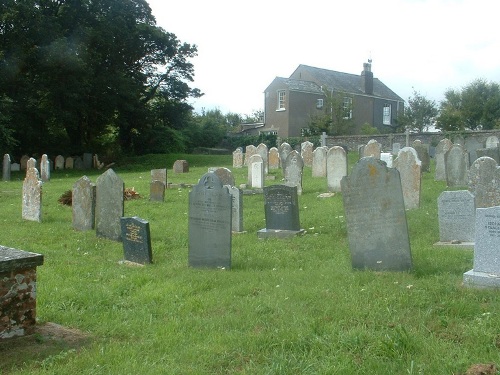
x=181 y=166
x=78 y=163
x=456 y=214
x=319 y=162
x=157 y=191
x=387 y=158
x=372 y=148
x=238 y=158
x=336 y=168
x=109 y=205
x=294 y=167
x=45 y=168
x=377 y=230
x=483 y=181
x=443 y=146
x=136 y=240
x=472 y=145
x=492 y=152
x=274 y=158
x=59 y=162
x=32 y=195
x=15 y=167
x=69 y=163
x=6 y=168
x=281 y=211
x=210 y=223
x=492 y=141
x=255 y=158
x=306 y=151
x=486 y=268
x=408 y=165
x=159 y=175
x=250 y=150
x=87 y=160
x=263 y=151
x=257 y=174
x=225 y=176
x=284 y=149
x=423 y=155
x=456 y=164
x=24 y=161
x=83 y=204
x=395 y=148
x=237 y=209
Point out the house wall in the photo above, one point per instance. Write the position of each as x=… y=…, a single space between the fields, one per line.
x=302 y=109
x=277 y=120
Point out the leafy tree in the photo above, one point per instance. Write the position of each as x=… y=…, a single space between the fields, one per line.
x=336 y=117
x=419 y=114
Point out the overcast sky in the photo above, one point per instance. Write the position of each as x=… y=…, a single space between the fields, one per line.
x=428 y=45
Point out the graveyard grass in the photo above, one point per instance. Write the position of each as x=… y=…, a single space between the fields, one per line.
x=292 y=306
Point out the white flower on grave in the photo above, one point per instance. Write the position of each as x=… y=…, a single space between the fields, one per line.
x=409 y=286
x=277 y=286
x=274 y=269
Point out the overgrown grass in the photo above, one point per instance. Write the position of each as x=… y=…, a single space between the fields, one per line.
x=291 y=306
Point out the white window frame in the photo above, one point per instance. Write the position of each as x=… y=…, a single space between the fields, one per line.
x=386 y=114
x=347 y=107
x=281 y=95
x=319 y=103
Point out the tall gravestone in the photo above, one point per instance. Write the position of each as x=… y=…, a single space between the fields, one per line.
x=210 y=223
x=281 y=207
x=377 y=230
x=294 y=168
x=251 y=179
x=274 y=158
x=157 y=191
x=486 y=268
x=443 y=146
x=87 y=160
x=24 y=162
x=483 y=181
x=109 y=206
x=83 y=204
x=263 y=151
x=423 y=155
x=250 y=150
x=59 y=162
x=238 y=158
x=136 y=239
x=6 y=167
x=409 y=167
x=372 y=149
x=45 y=168
x=319 y=162
x=336 y=167
x=456 y=165
x=32 y=195
x=69 y=163
x=237 y=209
x=456 y=216
x=306 y=151
x=284 y=149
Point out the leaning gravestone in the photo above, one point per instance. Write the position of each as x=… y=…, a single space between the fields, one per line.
x=157 y=191
x=136 y=240
x=237 y=209
x=423 y=155
x=83 y=204
x=336 y=167
x=410 y=173
x=210 y=221
x=306 y=151
x=456 y=216
x=456 y=164
x=443 y=146
x=486 y=268
x=6 y=168
x=181 y=166
x=483 y=181
x=294 y=167
x=109 y=205
x=238 y=158
x=32 y=195
x=319 y=162
x=373 y=149
x=376 y=219
x=274 y=158
x=281 y=206
x=45 y=168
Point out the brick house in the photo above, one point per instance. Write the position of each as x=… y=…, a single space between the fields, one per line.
x=290 y=103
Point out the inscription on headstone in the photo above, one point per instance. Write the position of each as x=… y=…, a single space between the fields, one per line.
x=456 y=214
x=136 y=240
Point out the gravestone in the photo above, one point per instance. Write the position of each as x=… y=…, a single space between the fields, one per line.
x=6 y=168
x=136 y=240
x=408 y=165
x=15 y=167
x=83 y=204
x=294 y=167
x=24 y=161
x=423 y=155
x=45 y=168
x=443 y=146
x=486 y=268
x=159 y=175
x=109 y=205
x=456 y=164
x=59 y=162
x=237 y=209
x=492 y=141
x=69 y=163
x=493 y=152
x=210 y=223
x=31 y=163
x=306 y=151
x=284 y=149
x=336 y=167
x=483 y=181
x=78 y=163
x=472 y=145
x=255 y=158
x=264 y=154
x=225 y=176
x=250 y=150
x=457 y=217
x=238 y=158
x=87 y=160
x=281 y=207
x=257 y=174
x=377 y=230
x=373 y=149
x=395 y=148
x=32 y=194
x=274 y=158
x=387 y=158
x=157 y=191
x=181 y=166
x=319 y=162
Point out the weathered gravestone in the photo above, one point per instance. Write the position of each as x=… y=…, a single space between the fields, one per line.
x=472 y=145
x=59 y=162
x=457 y=217
x=492 y=141
x=284 y=149
x=456 y=164
x=181 y=166
x=210 y=222
x=6 y=167
x=274 y=158
x=423 y=155
x=258 y=170
x=32 y=194
x=237 y=209
x=69 y=163
x=483 y=181
x=264 y=154
x=373 y=149
x=486 y=268
x=250 y=150
x=157 y=191
x=225 y=176
x=83 y=204
x=281 y=207
x=15 y=167
x=45 y=168
x=136 y=240
x=319 y=162
x=24 y=162
x=306 y=151
x=159 y=175
x=294 y=167
x=336 y=167
x=78 y=163
x=492 y=152
x=238 y=158
x=377 y=230
x=443 y=146
x=395 y=148
x=87 y=160
x=410 y=173
x=109 y=205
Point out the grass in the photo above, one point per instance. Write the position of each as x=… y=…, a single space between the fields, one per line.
x=291 y=306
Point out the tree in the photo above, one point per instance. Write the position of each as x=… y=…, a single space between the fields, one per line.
x=419 y=114
x=336 y=118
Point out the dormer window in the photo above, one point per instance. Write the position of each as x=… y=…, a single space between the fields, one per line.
x=281 y=100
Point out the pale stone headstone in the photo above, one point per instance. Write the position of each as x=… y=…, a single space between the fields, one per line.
x=410 y=173
x=109 y=206
x=210 y=223
x=238 y=158
x=281 y=211
x=456 y=165
x=15 y=167
x=250 y=150
x=264 y=154
x=456 y=216
x=492 y=152
x=377 y=230
x=395 y=148
x=87 y=160
x=6 y=168
x=69 y=163
x=336 y=168
x=372 y=148
x=31 y=163
x=136 y=240
x=157 y=191
x=83 y=204
x=319 y=162
x=24 y=161
x=483 y=181
x=181 y=166
x=306 y=151
x=284 y=149
x=237 y=209
x=257 y=174
x=159 y=175
x=486 y=268
x=443 y=146
x=492 y=141
x=59 y=162
x=225 y=176
x=274 y=158
x=387 y=158
x=423 y=155
x=255 y=158
x=293 y=171
x=32 y=194
x=45 y=168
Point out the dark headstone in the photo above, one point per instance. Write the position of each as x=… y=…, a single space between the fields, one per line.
x=87 y=160
x=157 y=191
x=136 y=240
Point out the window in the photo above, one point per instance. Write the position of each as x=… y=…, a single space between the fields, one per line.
x=281 y=100
x=347 y=107
x=387 y=114
x=319 y=103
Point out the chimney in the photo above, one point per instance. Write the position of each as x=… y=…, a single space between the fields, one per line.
x=367 y=78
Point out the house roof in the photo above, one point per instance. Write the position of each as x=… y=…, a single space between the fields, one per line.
x=298 y=85
x=347 y=82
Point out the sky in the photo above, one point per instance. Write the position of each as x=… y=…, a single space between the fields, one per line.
x=428 y=46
